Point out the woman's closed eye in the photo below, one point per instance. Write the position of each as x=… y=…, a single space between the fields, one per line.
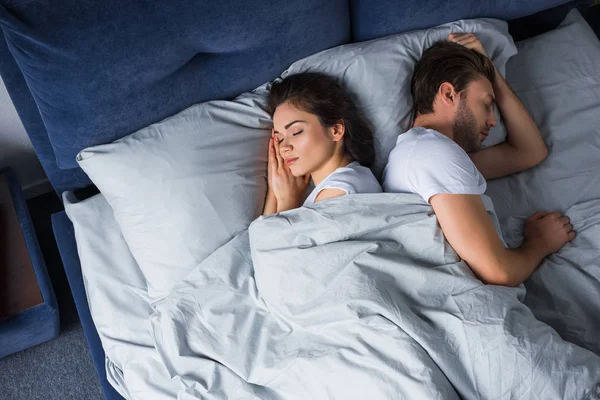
x=293 y=134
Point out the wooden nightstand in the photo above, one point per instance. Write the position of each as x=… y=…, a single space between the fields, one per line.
x=28 y=308
x=19 y=289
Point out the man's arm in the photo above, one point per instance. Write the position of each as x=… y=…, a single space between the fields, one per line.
x=524 y=146
x=469 y=230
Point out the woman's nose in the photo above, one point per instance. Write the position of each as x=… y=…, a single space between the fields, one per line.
x=285 y=146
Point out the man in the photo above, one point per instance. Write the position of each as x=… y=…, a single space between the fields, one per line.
x=455 y=87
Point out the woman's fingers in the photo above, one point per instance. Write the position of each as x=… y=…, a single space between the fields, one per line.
x=278 y=157
x=286 y=168
x=272 y=161
x=271 y=158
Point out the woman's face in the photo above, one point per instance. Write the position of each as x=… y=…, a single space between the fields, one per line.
x=304 y=143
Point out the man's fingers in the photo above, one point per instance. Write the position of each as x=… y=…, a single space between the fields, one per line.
x=462 y=38
x=552 y=215
x=471 y=42
x=468 y=43
x=572 y=235
x=538 y=215
x=564 y=219
x=465 y=39
x=569 y=227
x=454 y=36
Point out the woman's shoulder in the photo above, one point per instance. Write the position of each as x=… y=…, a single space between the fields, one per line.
x=359 y=177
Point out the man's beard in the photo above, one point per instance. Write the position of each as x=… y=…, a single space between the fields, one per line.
x=466 y=130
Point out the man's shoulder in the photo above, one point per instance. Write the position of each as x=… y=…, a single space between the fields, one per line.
x=428 y=144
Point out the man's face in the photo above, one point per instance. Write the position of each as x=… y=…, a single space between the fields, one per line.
x=475 y=115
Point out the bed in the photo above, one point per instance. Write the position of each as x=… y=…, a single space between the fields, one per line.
x=92 y=80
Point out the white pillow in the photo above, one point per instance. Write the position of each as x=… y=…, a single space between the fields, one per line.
x=378 y=73
x=557 y=76
x=118 y=299
x=568 y=54
x=184 y=186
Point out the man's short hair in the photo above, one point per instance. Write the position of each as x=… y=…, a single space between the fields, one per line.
x=446 y=62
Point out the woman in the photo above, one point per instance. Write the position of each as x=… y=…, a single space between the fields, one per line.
x=319 y=134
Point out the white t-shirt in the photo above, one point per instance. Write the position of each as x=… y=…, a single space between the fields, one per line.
x=428 y=163
x=353 y=178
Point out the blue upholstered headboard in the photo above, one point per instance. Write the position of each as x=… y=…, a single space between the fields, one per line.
x=373 y=19
x=84 y=72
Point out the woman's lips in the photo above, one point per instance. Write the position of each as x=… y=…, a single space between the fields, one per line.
x=290 y=161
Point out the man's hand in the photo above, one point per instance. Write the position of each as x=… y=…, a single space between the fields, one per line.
x=548 y=232
x=469 y=230
x=468 y=40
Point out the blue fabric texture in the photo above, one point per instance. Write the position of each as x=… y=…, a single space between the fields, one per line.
x=101 y=70
x=40 y=323
x=373 y=19
x=61 y=179
x=65 y=239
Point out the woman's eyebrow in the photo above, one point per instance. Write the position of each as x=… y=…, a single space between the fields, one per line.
x=288 y=125
x=292 y=123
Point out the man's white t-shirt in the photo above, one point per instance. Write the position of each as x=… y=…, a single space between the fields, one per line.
x=428 y=163
x=353 y=178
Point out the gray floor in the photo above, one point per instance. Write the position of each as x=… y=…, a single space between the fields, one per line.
x=61 y=368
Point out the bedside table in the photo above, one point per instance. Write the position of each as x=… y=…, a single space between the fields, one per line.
x=28 y=308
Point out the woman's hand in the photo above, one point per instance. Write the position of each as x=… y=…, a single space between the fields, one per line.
x=286 y=188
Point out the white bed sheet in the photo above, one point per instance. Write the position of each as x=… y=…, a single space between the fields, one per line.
x=118 y=299
x=557 y=76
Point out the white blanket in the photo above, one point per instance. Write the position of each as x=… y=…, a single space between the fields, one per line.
x=358 y=297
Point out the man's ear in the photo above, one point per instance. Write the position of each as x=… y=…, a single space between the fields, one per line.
x=447 y=95
x=338 y=131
